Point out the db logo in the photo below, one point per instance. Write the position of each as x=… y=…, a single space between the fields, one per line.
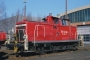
x=64 y=32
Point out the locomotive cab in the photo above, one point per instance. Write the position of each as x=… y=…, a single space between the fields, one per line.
x=51 y=19
x=55 y=20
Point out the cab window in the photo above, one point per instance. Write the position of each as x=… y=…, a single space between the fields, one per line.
x=56 y=21
x=65 y=22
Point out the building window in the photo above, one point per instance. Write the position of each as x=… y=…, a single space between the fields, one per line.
x=78 y=16
x=86 y=15
x=81 y=16
x=89 y=14
x=87 y=38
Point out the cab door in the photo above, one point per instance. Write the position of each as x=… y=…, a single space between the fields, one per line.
x=56 y=29
x=20 y=31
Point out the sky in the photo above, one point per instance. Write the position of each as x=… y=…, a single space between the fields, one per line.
x=43 y=7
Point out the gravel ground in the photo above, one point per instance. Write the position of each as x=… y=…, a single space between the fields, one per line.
x=83 y=52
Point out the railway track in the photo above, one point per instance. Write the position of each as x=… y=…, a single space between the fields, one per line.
x=9 y=55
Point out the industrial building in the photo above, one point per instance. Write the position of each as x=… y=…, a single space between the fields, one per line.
x=80 y=17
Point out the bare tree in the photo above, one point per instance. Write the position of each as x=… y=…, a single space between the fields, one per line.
x=5 y=23
x=17 y=15
x=29 y=17
x=39 y=18
x=13 y=20
x=3 y=16
x=2 y=10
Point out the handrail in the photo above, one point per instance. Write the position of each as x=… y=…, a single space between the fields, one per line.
x=36 y=28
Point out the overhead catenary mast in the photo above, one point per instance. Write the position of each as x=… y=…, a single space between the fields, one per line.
x=66 y=16
x=25 y=1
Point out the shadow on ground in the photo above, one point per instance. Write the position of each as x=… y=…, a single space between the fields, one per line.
x=27 y=54
x=23 y=54
x=3 y=56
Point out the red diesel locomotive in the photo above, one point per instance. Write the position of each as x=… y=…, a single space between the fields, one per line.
x=51 y=35
x=2 y=37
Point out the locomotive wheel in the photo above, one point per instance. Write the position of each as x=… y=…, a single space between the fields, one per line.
x=21 y=54
x=53 y=49
x=74 y=48
x=17 y=55
x=41 y=51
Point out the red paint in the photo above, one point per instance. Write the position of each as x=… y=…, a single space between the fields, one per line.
x=2 y=36
x=53 y=32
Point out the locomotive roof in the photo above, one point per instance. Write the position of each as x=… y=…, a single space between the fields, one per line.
x=54 y=17
x=51 y=17
x=59 y=18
